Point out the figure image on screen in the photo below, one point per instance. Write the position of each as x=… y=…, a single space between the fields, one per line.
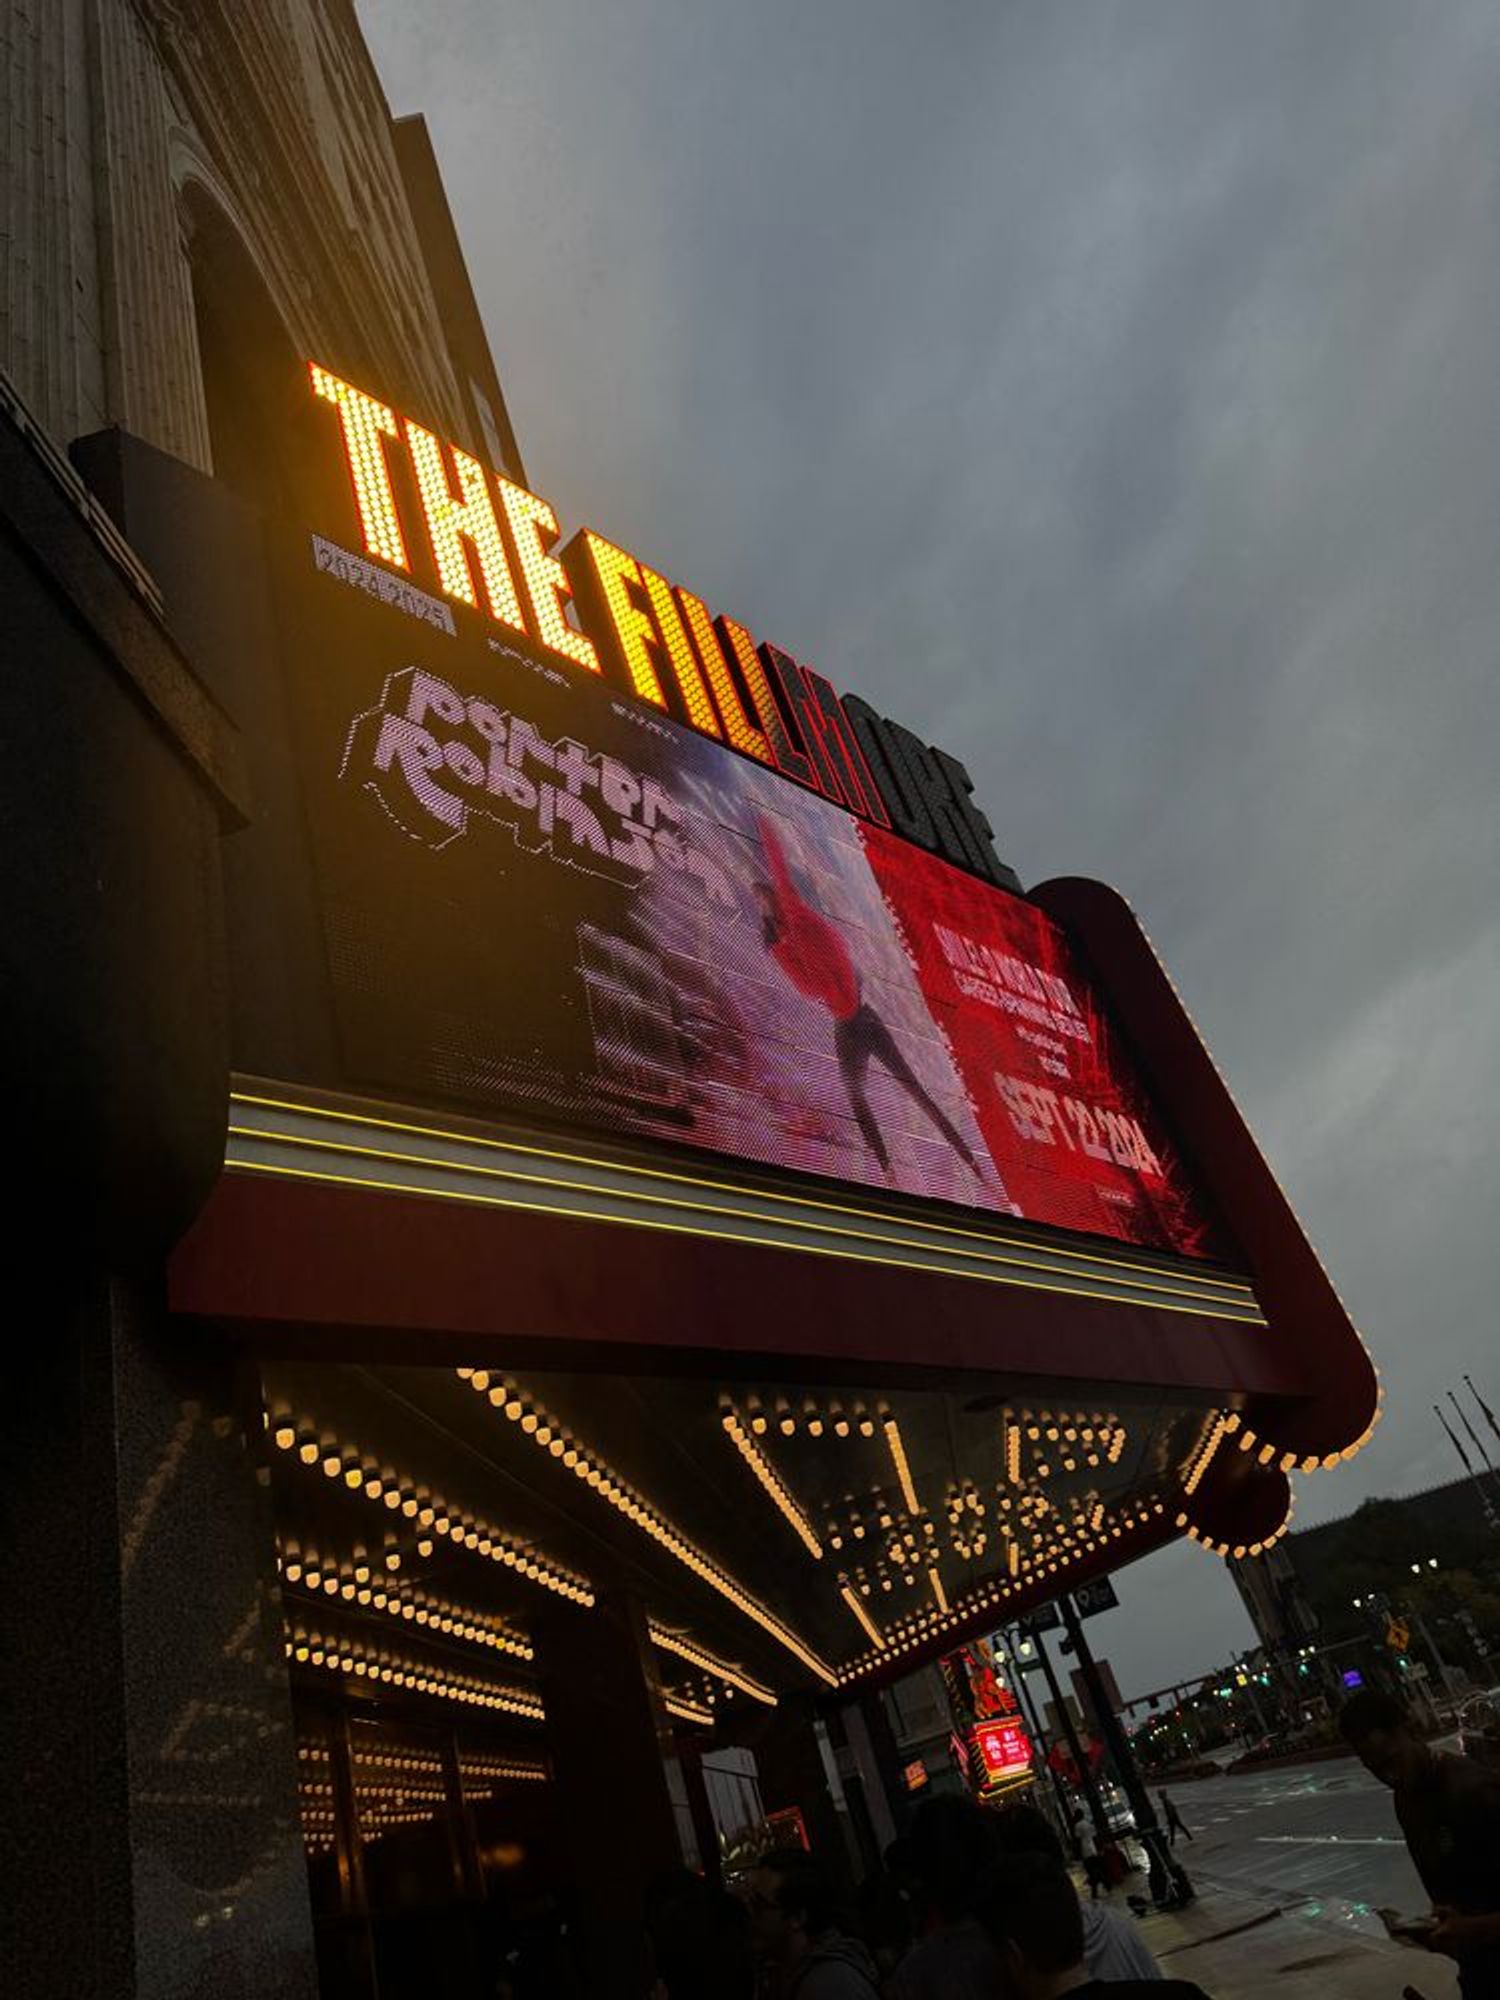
x=809 y=948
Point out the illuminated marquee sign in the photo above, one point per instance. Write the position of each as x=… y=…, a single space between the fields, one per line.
x=493 y=547
x=562 y=872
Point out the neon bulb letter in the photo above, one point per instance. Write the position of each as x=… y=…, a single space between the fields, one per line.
x=469 y=518
x=533 y=528
x=365 y=423
x=680 y=657
x=603 y=576
x=788 y=759
x=741 y=731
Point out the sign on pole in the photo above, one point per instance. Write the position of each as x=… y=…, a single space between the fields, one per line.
x=1045 y=1618
x=1096 y=1596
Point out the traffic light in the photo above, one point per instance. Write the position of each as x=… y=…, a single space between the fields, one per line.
x=1403 y=1663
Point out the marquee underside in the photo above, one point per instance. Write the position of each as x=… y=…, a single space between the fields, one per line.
x=821 y=1439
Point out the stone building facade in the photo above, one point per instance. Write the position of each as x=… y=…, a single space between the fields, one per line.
x=191 y=195
x=176 y=178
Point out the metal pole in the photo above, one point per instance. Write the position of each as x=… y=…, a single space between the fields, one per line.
x=1249 y=1690
x=1029 y=1709
x=1085 y=1773
x=1444 y=1671
x=1491 y=1519
x=1162 y=1867
x=1475 y=1439
x=1489 y=1414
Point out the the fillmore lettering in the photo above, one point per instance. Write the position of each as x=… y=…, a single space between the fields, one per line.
x=491 y=545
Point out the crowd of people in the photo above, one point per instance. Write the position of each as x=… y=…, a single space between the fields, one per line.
x=972 y=1904
x=977 y=1903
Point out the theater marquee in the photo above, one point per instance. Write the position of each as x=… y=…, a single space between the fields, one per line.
x=564 y=873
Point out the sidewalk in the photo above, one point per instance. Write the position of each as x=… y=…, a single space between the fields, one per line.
x=1234 y=1946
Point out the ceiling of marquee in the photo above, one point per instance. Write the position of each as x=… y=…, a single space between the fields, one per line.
x=778 y=1536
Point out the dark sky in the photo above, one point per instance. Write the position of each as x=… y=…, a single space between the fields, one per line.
x=1112 y=392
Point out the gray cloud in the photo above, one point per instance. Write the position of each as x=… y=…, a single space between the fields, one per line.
x=1109 y=391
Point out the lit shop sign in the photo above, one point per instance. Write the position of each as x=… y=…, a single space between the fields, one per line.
x=1004 y=1751
x=491 y=545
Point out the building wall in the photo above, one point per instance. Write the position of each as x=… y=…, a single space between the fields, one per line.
x=164 y=165
x=1278 y=1610
x=134 y=126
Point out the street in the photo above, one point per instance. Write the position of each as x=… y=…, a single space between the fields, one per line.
x=1320 y=1836
x=1290 y=1867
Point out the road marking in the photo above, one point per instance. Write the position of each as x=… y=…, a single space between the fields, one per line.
x=1326 y=1840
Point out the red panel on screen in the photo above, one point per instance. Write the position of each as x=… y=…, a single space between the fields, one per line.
x=1062 y=1112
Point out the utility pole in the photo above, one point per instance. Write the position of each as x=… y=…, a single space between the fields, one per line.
x=1037 y=1735
x=1090 y=1790
x=1242 y=1672
x=1445 y=1673
x=1165 y=1874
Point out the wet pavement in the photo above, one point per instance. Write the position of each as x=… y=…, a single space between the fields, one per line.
x=1320 y=1834
x=1290 y=1867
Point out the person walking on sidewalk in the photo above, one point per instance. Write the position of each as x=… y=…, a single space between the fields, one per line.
x=1448 y=1808
x=1173 y=1818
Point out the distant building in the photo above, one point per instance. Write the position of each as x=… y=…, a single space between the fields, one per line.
x=922 y=1724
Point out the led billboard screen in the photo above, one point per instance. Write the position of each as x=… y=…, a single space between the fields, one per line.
x=542 y=896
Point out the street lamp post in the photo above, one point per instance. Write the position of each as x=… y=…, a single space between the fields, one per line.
x=1065 y=1719
x=1043 y=1747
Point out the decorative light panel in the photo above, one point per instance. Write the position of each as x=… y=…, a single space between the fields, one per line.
x=548 y=1435
x=359 y=1473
